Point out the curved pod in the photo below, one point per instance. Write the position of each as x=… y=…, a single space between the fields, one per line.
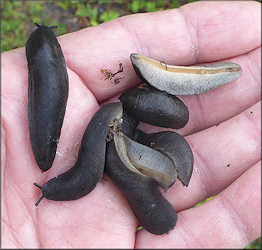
x=47 y=93
x=184 y=80
x=155 y=107
x=82 y=178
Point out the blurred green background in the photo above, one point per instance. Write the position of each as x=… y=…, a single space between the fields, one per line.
x=17 y=18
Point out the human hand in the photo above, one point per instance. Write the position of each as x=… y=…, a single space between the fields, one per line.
x=223 y=132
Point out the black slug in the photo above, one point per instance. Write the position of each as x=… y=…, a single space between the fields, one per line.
x=140 y=158
x=158 y=108
x=173 y=146
x=129 y=125
x=151 y=209
x=47 y=93
x=82 y=178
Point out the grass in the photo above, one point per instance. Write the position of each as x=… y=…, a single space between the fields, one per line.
x=18 y=18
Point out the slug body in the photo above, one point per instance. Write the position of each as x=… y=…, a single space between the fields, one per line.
x=158 y=108
x=82 y=178
x=175 y=147
x=129 y=125
x=184 y=80
x=151 y=209
x=47 y=94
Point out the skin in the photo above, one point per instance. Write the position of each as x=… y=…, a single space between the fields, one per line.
x=227 y=157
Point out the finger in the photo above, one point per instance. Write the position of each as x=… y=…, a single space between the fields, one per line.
x=217 y=30
x=221 y=154
x=214 y=107
x=230 y=220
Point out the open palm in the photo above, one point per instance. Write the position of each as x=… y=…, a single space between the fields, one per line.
x=223 y=132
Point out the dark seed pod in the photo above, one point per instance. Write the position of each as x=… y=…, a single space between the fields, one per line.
x=151 y=209
x=158 y=108
x=82 y=178
x=175 y=147
x=47 y=93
